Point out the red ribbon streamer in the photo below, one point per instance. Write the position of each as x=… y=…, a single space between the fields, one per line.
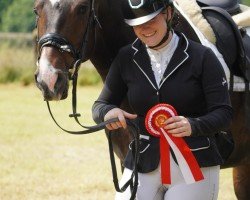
x=155 y=122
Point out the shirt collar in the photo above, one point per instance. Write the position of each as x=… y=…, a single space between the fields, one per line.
x=166 y=50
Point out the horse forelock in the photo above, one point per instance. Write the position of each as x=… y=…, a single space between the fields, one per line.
x=53 y=2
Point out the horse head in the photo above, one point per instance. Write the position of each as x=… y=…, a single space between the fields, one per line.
x=64 y=26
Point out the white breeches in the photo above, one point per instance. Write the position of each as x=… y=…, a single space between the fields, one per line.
x=151 y=188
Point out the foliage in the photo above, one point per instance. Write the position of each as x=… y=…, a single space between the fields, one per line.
x=25 y=76
x=17 y=16
x=246 y=2
x=16 y=59
x=9 y=74
x=17 y=40
x=17 y=54
x=88 y=76
x=17 y=63
x=3 y=6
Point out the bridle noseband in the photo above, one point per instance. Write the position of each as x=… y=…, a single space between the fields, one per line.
x=56 y=40
x=79 y=56
x=63 y=45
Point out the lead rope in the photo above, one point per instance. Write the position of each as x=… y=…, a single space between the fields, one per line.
x=91 y=129
x=74 y=77
x=133 y=181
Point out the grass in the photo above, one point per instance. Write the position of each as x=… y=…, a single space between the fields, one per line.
x=38 y=161
x=18 y=61
x=16 y=64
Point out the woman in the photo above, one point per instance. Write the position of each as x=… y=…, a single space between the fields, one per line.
x=163 y=66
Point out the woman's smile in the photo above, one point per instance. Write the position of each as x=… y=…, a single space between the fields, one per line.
x=149 y=34
x=152 y=32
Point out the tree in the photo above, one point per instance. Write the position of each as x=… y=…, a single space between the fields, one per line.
x=18 y=17
x=3 y=6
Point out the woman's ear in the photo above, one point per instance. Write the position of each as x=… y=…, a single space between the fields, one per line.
x=170 y=12
x=165 y=14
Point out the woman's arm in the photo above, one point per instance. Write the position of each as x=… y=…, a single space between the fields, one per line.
x=219 y=110
x=111 y=97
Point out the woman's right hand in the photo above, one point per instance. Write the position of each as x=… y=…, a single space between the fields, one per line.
x=121 y=115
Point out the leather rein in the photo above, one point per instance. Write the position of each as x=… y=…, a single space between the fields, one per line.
x=63 y=45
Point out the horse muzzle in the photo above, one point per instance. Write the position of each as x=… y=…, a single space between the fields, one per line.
x=53 y=84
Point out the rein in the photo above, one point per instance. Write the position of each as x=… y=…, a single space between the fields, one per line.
x=79 y=56
x=63 y=45
x=133 y=181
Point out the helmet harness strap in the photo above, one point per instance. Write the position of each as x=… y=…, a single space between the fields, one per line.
x=169 y=28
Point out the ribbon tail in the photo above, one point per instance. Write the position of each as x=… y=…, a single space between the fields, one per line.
x=185 y=158
x=165 y=161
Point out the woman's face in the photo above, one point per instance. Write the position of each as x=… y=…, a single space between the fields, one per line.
x=152 y=32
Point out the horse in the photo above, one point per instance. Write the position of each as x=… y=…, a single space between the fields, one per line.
x=73 y=31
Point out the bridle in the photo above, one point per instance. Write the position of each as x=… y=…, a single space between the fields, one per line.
x=79 y=56
x=63 y=45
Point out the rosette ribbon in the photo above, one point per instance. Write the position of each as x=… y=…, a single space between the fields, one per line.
x=155 y=122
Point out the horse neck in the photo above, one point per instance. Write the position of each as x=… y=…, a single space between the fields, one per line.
x=113 y=35
x=114 y=28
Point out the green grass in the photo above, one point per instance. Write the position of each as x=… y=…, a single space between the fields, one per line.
x=18 y=62
x=16 y=65
x=38 y=161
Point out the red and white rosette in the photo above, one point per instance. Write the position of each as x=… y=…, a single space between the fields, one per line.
x=155 y=122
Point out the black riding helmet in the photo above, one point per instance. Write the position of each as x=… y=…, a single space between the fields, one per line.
x=138 y=12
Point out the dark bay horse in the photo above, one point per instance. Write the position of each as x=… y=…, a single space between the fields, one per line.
x=73 y=31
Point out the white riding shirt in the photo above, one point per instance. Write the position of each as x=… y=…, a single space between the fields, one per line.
x=160 y=58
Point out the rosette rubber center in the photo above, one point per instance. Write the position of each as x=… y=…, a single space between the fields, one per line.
x=156 y=118
x=160 y=120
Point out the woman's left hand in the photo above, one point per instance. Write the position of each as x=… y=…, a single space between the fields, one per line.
x=178 y=126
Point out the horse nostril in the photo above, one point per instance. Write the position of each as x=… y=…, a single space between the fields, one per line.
x=61 y=78
x=61 y=86
x=36 y=75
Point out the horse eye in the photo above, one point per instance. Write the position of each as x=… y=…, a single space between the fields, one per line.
x=35 y=11
x=83 y=9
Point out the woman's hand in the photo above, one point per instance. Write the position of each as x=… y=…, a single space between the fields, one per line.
x=121 y=115
x=178 y=126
